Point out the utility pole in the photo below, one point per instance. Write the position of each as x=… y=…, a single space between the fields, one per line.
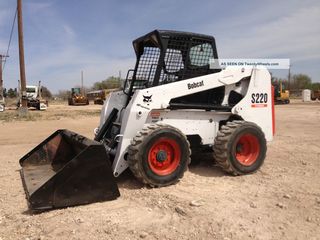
x=19 y=90
x=1 y=79
x=82 y=83
x=23 y=81
x=2 y=101
x=289 y=76
x=39 y=90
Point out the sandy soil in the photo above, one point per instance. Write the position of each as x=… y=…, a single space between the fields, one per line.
x=281 y=201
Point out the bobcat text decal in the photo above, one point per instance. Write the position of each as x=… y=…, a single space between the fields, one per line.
x=195 y=84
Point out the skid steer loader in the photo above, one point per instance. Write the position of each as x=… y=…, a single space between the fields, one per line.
x=172 y=102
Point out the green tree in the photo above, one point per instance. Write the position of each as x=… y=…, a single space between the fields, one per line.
x=109 y=83
x=276 y=81
x=12 y=93
x=5 y=92
x=315 y=86
x=64 y=94
x=298 y=81
x=46 y=92
x=301 y=81
x=98 y=86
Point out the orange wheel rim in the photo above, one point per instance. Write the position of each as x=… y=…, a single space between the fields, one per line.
x=247 y=149
x=164 y=156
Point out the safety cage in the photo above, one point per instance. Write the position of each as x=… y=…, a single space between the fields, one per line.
x=169 y=56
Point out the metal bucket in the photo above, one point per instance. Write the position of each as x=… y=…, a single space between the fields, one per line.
x=67 y=169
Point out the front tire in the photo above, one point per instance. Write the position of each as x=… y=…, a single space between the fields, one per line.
x=240 y=147
x=159 y=155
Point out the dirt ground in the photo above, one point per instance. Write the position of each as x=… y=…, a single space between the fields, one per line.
x=280 y=201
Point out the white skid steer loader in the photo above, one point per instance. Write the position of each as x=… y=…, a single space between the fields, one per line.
x=172 y=102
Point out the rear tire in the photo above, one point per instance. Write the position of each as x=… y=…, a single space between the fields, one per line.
x=240 y=147
x=159 y=155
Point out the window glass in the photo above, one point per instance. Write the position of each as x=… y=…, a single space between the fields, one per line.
x=173 y=60
x=77 y=90
x=201 y=54
x=31 y=90
x=147 y=65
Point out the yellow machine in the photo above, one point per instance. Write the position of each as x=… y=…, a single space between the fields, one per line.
x=281 y=95
x=99 y=96
x=77 y=98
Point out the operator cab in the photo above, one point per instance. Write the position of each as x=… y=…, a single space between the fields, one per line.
x=32 y=92
x=169 y=56
x=75 y=91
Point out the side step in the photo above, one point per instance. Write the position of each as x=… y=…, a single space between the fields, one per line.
x=67 y=169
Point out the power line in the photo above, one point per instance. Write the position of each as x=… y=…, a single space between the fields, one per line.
x=11 y=33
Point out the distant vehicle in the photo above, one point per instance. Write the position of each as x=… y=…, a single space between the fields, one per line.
x=2 y=99
x=99 y=96
x=77 y=98
x=34 y=98
x=2 y=103
x=281 y=95
x=315 y=94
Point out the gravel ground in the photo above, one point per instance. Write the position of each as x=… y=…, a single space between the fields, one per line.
x=280 y=201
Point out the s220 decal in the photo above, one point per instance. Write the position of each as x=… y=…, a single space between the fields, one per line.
x=259 y=99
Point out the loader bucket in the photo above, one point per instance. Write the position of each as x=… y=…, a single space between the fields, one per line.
x=67 y=169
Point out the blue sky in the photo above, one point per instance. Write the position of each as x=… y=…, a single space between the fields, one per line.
x=63 y=37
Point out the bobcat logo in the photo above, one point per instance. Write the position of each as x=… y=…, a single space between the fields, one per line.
x=147 y=98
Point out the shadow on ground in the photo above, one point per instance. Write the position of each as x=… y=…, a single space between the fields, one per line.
x=203 y=164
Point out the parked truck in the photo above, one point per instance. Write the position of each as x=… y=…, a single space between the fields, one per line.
x=2 y=103
x=99 y=96
x=34 y=98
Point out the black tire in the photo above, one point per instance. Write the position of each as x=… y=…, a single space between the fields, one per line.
x=237 y=138
x=143 y=146
x=313 y=98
